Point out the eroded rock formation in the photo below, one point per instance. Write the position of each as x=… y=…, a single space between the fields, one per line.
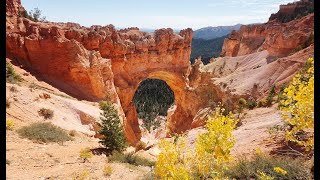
x=279 y=39
x=92 y=63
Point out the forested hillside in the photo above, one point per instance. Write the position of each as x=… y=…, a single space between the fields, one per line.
x=206 y=49
x=152 y=98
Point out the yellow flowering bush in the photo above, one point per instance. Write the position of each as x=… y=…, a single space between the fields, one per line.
x=298 y=107
x=280 y=170
x=9 y=124
x=85 y=154
x=264 y=176
x=212 y=150
x=213 y=147
x=173 y=159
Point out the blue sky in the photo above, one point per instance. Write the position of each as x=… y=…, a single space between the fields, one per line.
x=176 y=14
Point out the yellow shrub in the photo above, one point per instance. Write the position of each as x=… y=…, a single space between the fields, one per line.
x=80 y=175
x=264 y=176
x=298 y=107
x=212 y=150
x=280 y=170
x=10 y=124
x=107 y=170
x=213 y=147
x=85 y=154
x=171 y=162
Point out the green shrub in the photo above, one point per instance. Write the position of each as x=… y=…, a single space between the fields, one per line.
x=242 y=103
x=270 y=96
x=33 y=15
x=130 y=158
x=44 y=132
x=251 y=104
x=112 y=131
x=46 y=113
x=11 y=75
x=246 y=169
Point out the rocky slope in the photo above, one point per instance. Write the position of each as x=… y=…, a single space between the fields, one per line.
x=279 y=39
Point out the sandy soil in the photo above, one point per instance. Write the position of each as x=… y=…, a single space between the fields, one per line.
x=29 y=160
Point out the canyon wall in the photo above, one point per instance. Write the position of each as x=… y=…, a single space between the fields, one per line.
x=279 y=39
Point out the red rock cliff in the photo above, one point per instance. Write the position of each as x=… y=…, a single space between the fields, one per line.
x=277 y=38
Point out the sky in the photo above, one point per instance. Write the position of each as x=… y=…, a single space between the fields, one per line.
x=154 y=14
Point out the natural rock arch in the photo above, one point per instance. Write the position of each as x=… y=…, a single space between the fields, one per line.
x=177 y=84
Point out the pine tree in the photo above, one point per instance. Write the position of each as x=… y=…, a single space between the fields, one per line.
x=112 y=131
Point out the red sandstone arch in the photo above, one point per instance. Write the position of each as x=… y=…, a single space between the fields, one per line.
x=177 y=84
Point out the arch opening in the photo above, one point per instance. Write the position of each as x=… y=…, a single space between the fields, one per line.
x=152 y=100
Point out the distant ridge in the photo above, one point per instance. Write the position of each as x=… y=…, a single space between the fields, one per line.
x=214 y=32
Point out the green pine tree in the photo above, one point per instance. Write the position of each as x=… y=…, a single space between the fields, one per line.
x=111 y=129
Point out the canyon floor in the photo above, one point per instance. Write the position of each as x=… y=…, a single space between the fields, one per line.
x=31 y=160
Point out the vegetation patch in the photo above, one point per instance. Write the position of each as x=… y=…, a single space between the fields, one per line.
x=85 y=154
x=263 y=165
x=208 y=161
x=81 y=175
x=73 y=133
x=140 y=145
x=46 y=113
x=44 y=132
x=112 y=130
x=107 y=170
x=153 y=98
x=298 y=107
x=251 y=103
x=11 y=75
x=9 y=124
x=33 y=15
x=130 y=158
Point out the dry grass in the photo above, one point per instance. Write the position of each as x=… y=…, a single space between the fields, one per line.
x=44 y=132
x=107 y=170
x=130 y=158
x=246 y=169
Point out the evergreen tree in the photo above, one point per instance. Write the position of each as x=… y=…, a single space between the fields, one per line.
x=112 y=131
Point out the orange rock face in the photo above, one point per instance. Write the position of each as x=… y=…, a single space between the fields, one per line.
x=278 y=39
x=92 y=63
